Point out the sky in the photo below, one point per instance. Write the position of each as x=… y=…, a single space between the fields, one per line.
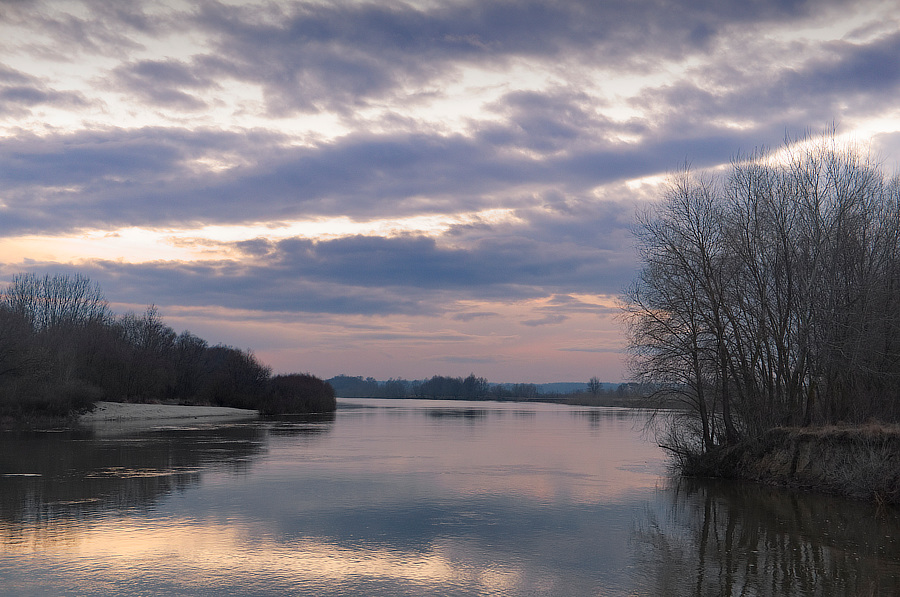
x=402 y=189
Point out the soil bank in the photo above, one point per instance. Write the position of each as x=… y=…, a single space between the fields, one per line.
x=859 y=461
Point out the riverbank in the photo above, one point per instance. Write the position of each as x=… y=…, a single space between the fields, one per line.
x=860 y=462
x=122 y=412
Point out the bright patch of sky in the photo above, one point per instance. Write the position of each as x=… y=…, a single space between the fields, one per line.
x=139 y=245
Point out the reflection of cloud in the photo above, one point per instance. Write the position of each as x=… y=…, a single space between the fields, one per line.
x=186 y=554
x=415 y=497
x=549 y=472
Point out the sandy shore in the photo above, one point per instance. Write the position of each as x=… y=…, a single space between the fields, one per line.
x=120 y=412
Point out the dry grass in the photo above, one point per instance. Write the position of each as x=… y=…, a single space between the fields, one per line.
x=857 y=461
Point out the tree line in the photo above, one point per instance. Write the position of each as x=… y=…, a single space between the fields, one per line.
x=61 y=349
x=770 y=296
x=437 y=387
x=479 y=388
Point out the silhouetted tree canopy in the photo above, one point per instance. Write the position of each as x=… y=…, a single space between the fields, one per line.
x=297 y=393
x=61 y=349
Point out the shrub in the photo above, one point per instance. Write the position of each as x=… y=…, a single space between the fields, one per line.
x=33 y=400
x=296 y=394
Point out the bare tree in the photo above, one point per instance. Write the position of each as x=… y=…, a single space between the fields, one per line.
x=772 y=297
x=674 y=307
x=56 y=300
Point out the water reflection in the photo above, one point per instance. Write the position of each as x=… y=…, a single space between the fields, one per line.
x=383 y=501
x=50 y=479
x=728 y=538
x=604 y=417
x=393 y=498
x=458 y=413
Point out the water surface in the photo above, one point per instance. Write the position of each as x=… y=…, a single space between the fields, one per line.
x=413 y=498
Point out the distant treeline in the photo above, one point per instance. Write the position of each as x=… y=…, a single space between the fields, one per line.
x=478 y=388
x=61 y=349
x=439 y=387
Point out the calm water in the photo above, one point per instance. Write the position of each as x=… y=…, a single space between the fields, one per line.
x=414 y=498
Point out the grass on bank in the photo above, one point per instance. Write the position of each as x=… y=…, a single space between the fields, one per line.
x=859 y=461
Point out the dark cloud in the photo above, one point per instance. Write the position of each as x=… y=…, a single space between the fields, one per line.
x=11 y=76
x=311 y=57
x=424 y=273
x=235 y=286
x=163 y=83
x=523 y=260
x=867 y=71
x=150 y=176
x=376 y=275
x=551 y=319
x=559 y=120
x=20 y=93
x=844 y=79
x=558 y=156
x=66 y=32
x=340 y=56
x=473 y=315
x=111 y=178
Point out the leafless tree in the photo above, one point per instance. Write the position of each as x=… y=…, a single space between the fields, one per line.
x=772 y=296
x=52 y=301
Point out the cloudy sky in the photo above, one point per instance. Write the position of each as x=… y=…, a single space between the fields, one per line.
x=401 y=188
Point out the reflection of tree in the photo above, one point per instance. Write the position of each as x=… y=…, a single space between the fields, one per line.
x=299 y=425
x=609 y=417
x=727 y=538
x=471 y=414
x=49 y=480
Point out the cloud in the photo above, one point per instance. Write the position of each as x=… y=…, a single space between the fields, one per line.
x=497 y=264
x=152 y=176
x=237 y=286
x=162 y=83
x=599 y=350
x=840 y=79
x=558 y=120
x=867 y=72
x=20 y=93
x=336 y=56
x=411 y=274
x=474 y=315
x=67 y=31
x=546 y=320
x=180 y=115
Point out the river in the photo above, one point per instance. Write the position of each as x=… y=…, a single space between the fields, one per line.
x=414 y=497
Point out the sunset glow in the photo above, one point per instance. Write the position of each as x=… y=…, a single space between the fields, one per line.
x=401 y=189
